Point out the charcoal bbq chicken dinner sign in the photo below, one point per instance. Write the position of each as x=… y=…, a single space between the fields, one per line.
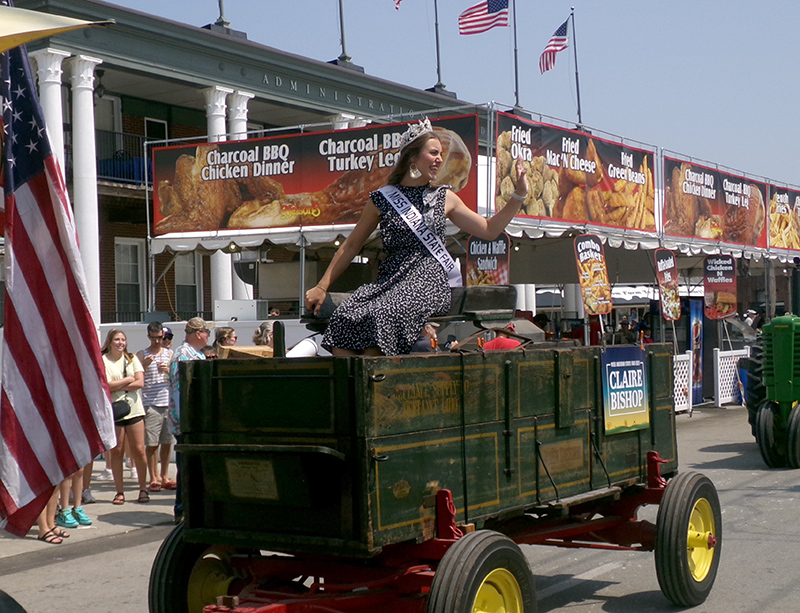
x=308 y=179
x=575 y=176
x=705 y=203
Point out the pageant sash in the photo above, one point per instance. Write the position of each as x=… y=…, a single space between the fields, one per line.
x=414 y=220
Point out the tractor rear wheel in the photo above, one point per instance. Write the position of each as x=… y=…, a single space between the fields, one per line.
x=793 y=442
x=483 y=572
x=755 y=390
x=772 y=451
x=688 y=539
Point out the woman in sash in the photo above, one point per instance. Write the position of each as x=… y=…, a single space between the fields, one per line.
x=385 y=317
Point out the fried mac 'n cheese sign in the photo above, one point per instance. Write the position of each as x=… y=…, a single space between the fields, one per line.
x=309 y=179
x=625 y=399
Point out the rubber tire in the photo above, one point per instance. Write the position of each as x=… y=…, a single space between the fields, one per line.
x=468 y=562
x=755 y=390
x=793 y=442
x=674 y=513
x=772 y=451
x=169 y=577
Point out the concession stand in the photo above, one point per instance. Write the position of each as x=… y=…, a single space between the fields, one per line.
x=656 y=215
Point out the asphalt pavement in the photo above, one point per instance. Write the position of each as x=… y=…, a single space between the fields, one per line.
x=107 y=519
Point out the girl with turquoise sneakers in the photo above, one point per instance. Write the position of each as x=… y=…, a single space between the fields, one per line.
x=72 y=516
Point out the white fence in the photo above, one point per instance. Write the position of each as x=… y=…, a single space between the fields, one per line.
x=682 y=390
x=726 y=376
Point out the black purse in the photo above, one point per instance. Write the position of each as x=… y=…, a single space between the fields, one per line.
x=122 y=408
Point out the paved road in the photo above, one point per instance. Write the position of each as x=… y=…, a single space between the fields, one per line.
x=107 y=569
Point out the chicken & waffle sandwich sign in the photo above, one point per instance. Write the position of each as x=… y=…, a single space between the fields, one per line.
x=719 y=286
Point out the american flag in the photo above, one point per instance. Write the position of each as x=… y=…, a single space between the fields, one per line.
x=55 y=412
x=483 y=16
x=397 y=4
x=557 y=43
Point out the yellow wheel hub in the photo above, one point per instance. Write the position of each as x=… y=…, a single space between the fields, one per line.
x=701 y=540
x=210 y=578
x=499 y=593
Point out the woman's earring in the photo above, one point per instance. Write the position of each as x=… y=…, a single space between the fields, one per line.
x=414 y=172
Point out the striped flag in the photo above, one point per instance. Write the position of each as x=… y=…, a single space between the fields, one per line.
x=397 y=4
x=557 y=43
x=483 y=16
x=55 y=412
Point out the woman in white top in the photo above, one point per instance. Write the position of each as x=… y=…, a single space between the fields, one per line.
x=125 y=376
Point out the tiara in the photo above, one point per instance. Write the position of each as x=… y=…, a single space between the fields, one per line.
x=415 y=130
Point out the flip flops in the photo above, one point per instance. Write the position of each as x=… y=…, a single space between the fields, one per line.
x=155 y=487
x=169 y=484
x=50 y=537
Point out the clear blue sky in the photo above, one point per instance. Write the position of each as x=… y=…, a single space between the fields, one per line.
x=713 y=79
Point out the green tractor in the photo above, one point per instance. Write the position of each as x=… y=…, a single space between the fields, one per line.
x=774 y=392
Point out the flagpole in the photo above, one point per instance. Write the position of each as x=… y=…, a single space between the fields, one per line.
x=440 y=87
x=343 y=59
x=517 y=106
x=577 y=81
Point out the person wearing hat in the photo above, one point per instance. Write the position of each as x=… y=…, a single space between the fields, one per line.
x=502 y=340
x=428 y=339
x=750 y=317
x=624 y=336
x=197 y=333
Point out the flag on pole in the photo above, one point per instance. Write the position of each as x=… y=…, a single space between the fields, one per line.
x=557 y=43
x=397 y=4
x=55 y=412
x=483 y=16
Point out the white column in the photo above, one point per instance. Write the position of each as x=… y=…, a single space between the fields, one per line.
x=237 y=128
x=84 y=174
x=48 y=65
x=221 y=265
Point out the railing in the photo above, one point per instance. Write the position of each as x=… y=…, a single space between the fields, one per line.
x=108 y=317
x=728 y=386
x=682 y=389
x=120 y=158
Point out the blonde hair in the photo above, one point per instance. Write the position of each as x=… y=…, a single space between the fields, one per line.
x=110 y=337
x=261 y=335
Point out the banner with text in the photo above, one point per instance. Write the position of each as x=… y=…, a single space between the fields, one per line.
x=719 y=286
x=625 y=397
x=593 y=274
x=575 y=176
x=784 y=218
x=706 y=203
x=488 y=261
x=667 y=276
x=318 y=178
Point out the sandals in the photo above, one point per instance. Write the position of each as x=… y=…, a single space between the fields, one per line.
x=119 y=498
x=59 y=532
x=143 y=496
x=50 y=537
x=155 y=486
x=169 y=484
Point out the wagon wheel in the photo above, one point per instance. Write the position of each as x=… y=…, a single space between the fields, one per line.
x=774 y=454
x=483 y=572
x=187 y=576
x=688 y=539
x=793 y=446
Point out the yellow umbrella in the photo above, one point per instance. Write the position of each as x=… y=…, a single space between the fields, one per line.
x=20 y=26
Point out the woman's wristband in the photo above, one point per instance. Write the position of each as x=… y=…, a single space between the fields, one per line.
x=516 y=196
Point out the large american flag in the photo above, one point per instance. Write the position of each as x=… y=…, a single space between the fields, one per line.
x=483 y=16
x=55 y=412
x=557 y=43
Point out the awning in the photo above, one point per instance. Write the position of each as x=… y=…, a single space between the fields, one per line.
x=20 y=26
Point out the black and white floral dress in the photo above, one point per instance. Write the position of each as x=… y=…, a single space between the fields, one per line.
x=411 y=285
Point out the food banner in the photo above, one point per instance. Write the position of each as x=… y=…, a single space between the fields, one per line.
x=575 y=176
x=488 y=261
x=319 y=178
x=593 y=274
x=667 y=276
x=625 y=397
x=696 y=347
x=701 y=202
x=719 y=285
x=784 y=218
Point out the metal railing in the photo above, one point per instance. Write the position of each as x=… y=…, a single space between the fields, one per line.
x=108 y=317
x=120 y=158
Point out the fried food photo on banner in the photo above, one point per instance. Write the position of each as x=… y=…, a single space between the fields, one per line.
x=784 y=225
x=189 y=203
x=595 y=286
x=564 y=193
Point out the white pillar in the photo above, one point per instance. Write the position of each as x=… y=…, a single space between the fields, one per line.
x=84 y=174
x=221 y=266
x=48 y=65
x=237 y=128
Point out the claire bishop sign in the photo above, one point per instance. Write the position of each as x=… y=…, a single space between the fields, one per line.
x=625 y=397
